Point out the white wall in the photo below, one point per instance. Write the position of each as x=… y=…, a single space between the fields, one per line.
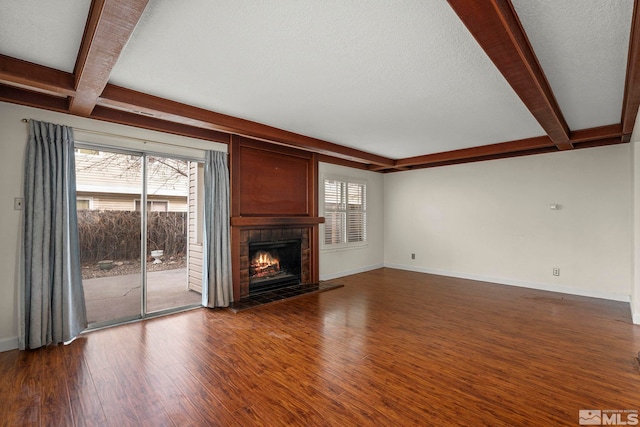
x=12 y=143
x=635 y=285
x=13 y=138
x=337 y=263
x=492 y=221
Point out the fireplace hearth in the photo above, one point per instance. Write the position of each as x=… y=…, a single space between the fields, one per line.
x=274 y=264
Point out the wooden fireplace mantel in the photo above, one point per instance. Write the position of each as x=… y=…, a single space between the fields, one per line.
x=261 y=221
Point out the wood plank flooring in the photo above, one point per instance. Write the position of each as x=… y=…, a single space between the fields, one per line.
x=390 y=348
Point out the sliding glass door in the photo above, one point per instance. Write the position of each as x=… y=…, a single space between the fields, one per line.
x=135 y=212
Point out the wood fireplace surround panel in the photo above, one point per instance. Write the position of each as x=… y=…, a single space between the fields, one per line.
x=273 y=197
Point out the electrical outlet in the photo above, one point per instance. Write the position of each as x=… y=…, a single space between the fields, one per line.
x=18 y=202
x=556 y=271
x=413 y=256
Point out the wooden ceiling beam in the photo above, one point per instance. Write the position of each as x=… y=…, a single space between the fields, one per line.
x=16 y=72
x=631 y=100
x=597 y=133
x=543 y=150
x=109 y=27
x=496 y=27
x=599 y=142
x=485 y=150
x=151 y=123
x=593 y=137
x=342 y=162
x=17 y=95
x=395 y=168
x=129 y=100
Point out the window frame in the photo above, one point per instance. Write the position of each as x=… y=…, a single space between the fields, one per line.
x=85 y=199
x=344 y=244
x=79 y=150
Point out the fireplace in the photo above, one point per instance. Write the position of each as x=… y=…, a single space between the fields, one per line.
x=288 y=241
x=274 y=198
x=274 y=265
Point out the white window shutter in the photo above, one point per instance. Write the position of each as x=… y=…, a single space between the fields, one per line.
x=345 y=211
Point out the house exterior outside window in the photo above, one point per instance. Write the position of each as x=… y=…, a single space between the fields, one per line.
x=154 y=205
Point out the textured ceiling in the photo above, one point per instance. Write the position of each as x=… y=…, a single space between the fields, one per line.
x=397 y=78
x=582 y=47
x=391 y=78
x=45 y=32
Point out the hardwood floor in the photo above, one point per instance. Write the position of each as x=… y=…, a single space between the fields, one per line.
x=389 y=348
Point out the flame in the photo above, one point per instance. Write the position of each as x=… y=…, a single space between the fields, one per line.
x=264 y=260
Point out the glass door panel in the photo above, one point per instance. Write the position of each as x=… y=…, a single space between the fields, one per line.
x=108 y=184
x=171 y=194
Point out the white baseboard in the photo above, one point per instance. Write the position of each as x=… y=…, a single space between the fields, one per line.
x=510 y=282
x=635 y=315
x=350 y=272
x=8 y=344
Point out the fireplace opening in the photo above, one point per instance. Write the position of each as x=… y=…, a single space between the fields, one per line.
x=274 y=265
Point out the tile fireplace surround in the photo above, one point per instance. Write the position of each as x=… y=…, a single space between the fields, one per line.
x=248 y=236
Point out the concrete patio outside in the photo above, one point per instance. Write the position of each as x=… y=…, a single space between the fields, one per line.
x=115 y=297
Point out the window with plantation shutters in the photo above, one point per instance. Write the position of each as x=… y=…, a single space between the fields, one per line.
x=345 y=212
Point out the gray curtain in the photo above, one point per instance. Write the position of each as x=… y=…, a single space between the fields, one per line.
x=218 y=282
x=52 y=297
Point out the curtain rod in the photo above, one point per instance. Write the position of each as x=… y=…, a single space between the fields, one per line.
x=95 y=132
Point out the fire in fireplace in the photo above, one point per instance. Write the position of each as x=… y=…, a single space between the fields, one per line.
x=274 y=265
x=264 y=265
